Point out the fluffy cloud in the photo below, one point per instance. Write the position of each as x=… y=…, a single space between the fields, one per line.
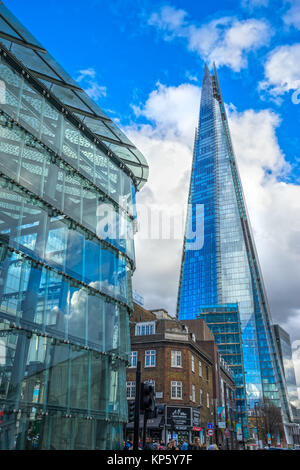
x=282 y=72
x=87 y=79
x=292 y=17
x=167 y=144
x=274 y=208
x=225 y=41
x=273 y=204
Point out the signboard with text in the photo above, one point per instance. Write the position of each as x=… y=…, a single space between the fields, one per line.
x=178 y=418
x=196 y=418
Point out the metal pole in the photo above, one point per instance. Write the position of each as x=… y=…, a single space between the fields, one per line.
x=255 y=404
x=145 y=428
x=137 y=407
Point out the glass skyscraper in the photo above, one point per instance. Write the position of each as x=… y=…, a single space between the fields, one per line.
x=220 y=279
x=286 y=356
x=68 y=178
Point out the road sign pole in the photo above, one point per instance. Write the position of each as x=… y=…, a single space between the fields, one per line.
x=137 y=407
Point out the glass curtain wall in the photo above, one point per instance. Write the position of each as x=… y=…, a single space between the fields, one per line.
x=67 y=214
x=225 y=270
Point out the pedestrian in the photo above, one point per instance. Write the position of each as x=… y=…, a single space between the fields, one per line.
x=185 y=445
x=149 y=444
x=172 y=445
x=162 y=445
x=196 y=444
x=129 y=443
x=212 y=447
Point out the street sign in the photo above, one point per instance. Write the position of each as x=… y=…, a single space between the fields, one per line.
x=210 y=432
x=210 y=426
x=197 y=428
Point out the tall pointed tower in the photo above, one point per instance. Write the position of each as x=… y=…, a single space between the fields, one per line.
x=221 y=281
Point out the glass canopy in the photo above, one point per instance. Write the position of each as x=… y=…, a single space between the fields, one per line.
x=39 y=63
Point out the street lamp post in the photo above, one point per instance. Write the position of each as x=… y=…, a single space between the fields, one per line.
x=255 y=405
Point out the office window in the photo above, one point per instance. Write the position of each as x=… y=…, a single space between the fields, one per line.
x=176 y=359
x=193 y=393
x=200 y=369
x=206 y=373
x=176 y=390
x=150 y=358
x=207 y=400
x=130 y=390
x=133 y=358
x=145 y=328
x=193 y=363
x=201 y=396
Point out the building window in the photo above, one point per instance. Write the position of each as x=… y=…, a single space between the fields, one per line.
x=200 y=369
x=145 y=328
x=193 y=393
x=201 y=396
x=150 y=358
x=130 y=390
x=133 y=359
x=176 y=390
x=206 y=373
x=207 y=400
x=193 y=363
x=176 y=359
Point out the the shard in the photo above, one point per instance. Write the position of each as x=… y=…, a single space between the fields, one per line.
x=220 y=280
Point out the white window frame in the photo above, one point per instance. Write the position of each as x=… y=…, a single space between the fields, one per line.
x=145 y=328
x=178 y=388
x=174 y=358
x=193 y=363
x=207 y=400
x=133 y=354
x=130 y=387
x=150 y=354
x=200 y=369
x=193 y=393
x=201 y=396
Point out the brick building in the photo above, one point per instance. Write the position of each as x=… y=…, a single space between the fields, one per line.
x=181 y=361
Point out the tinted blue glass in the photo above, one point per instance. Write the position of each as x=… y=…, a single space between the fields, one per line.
x=225 y=270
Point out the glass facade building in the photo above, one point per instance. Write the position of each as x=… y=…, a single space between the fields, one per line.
x=68 y=178
x=221 y=280
x=286 y=356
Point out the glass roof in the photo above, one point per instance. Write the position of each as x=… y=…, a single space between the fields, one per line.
x=18 y=40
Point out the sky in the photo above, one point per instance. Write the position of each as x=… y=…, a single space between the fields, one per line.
x=142 y=61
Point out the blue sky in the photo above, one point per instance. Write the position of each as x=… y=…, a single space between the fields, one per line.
x=129 y=56
x=143 y=60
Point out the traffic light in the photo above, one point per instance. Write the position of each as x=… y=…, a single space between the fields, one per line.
x=153 y=414
x=147 y=397
x=131 y=411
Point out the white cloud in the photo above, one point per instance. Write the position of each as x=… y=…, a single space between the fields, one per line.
x=273 y=205
x=274 y=208
x=225 y=41
x=282 y=72
x=90 y=84
x=292 y=17
x=254 y=3
x=167 y=144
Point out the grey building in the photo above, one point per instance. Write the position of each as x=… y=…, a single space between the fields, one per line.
x=285 y=352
